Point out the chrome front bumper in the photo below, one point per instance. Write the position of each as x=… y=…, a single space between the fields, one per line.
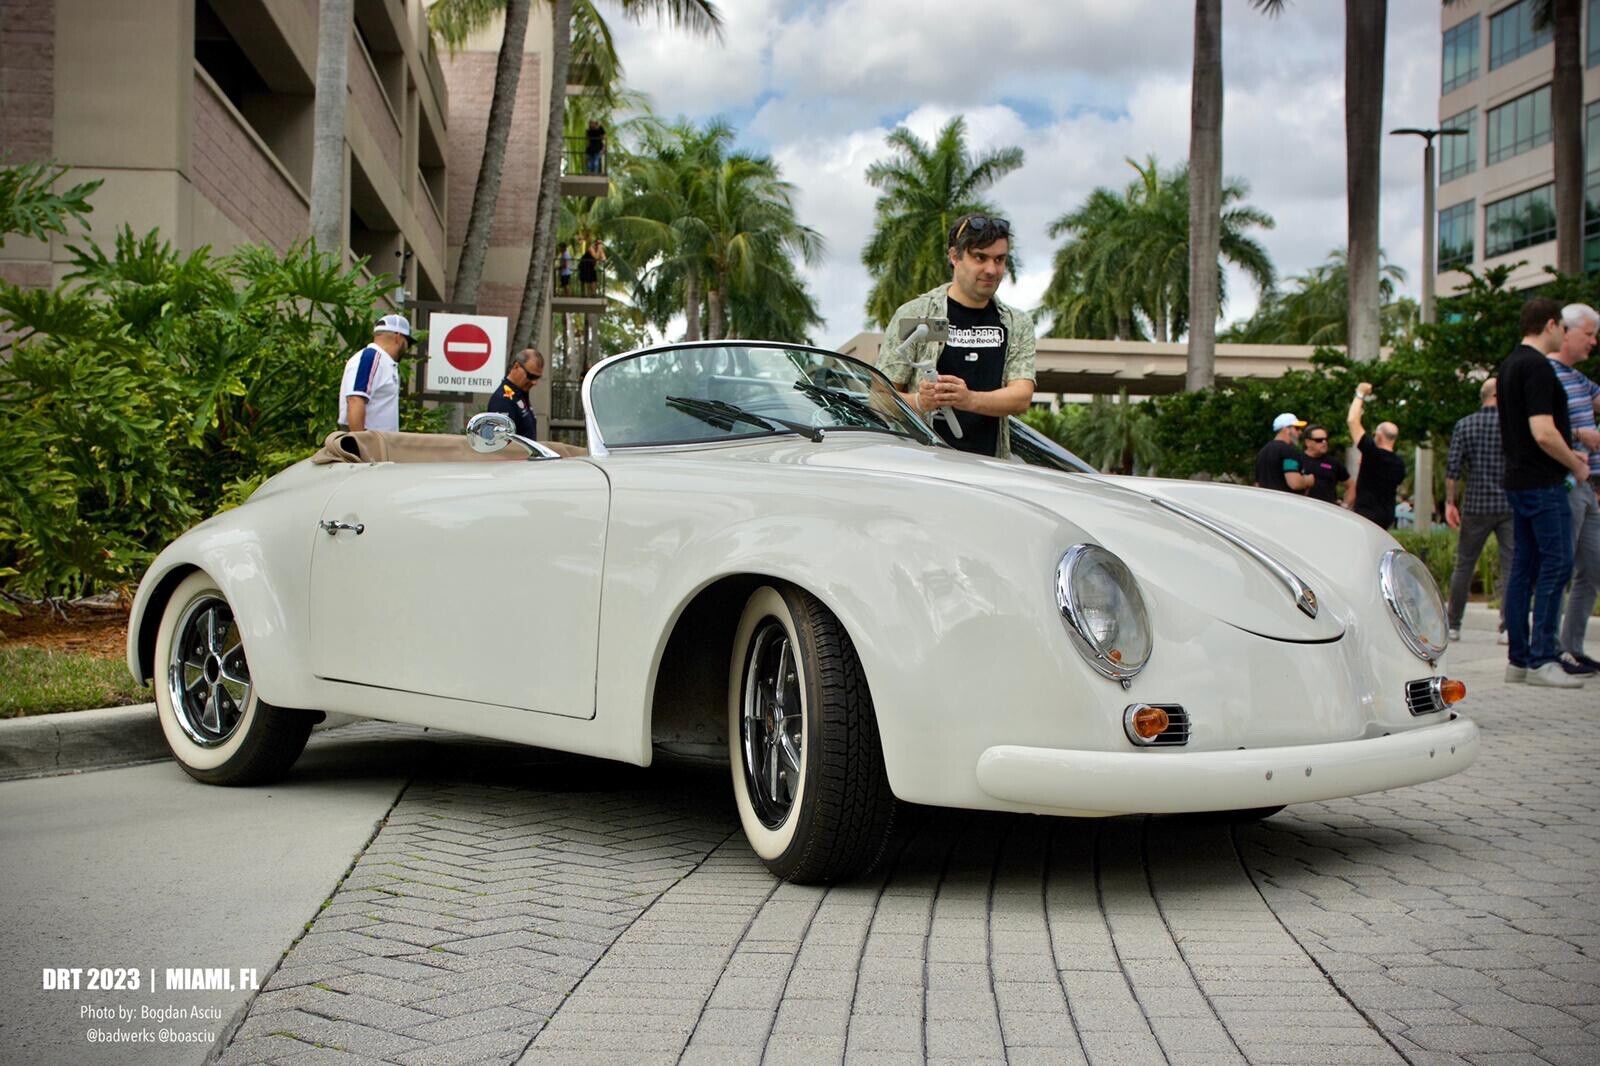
x=1174 y=781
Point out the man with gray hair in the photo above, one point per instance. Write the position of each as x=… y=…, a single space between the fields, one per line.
x=1475 y=444
x=1371 y=494
x=1583 y=400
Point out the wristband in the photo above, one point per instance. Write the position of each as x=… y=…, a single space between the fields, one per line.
x=1361 y=398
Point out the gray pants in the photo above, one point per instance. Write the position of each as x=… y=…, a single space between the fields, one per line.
x=1475 y=530
x=1585 y=567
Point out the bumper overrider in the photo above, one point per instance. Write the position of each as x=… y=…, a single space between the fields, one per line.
x=1175 y=781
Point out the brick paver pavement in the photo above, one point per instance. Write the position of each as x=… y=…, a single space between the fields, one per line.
x=523 y=907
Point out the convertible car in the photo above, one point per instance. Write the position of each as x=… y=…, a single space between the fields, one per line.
x=767 y=558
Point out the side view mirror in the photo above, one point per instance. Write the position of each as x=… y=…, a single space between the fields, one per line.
x=490 y=431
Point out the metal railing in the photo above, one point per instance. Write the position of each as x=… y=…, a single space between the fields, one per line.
x=578 y=161
x=568 y=278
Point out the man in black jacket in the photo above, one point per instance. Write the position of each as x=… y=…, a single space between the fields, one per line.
x=511 y=397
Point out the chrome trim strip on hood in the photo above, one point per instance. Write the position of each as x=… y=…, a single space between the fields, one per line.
x=1304 y=596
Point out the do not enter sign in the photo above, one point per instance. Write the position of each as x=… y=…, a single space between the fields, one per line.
x=466 y=353
x=466 y=347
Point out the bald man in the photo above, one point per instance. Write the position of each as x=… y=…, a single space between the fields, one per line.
x=1371 y=494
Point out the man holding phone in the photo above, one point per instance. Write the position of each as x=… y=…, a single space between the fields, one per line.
x=986 y=367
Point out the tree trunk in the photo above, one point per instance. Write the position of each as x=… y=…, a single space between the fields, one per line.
x=536 y=290
x=1124 y=326
x=714 y=311
x=1205 y=194
x=1566 y=110
x=1159 y=322
x=1365 y=27
x=327 y=137
x=486 y=194
x=691 y=305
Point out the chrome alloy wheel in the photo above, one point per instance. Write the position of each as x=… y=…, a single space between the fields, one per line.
x=772 y=724
x=207 y=676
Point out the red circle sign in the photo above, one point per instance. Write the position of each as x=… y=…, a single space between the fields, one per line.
x=466 y=347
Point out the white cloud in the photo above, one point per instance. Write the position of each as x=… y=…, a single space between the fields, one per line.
x=1079 y=87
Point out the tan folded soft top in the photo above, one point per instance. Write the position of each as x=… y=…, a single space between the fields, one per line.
x=381 y=446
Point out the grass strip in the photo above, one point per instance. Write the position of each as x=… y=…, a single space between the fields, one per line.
x=36 y=681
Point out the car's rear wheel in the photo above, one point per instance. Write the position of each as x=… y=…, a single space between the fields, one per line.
x=218 y=727
x=808 y=775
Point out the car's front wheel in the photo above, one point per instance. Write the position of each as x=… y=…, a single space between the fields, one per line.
x=808 y=774
x=218 y=727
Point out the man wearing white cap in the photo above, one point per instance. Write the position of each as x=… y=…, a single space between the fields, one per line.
x=1279 y=464
x=369 y=396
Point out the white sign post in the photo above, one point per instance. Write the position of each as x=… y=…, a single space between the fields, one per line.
x=466 y=353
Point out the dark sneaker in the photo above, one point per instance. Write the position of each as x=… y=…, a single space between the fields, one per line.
x=1592 y=664
x=1576 y=666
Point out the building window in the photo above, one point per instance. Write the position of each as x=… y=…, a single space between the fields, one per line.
x=1512 y=36
x=1519 y=221
x=1461 y=54
x=1519 y=125
x=1594 y=33
x=1455 y=236
x=1458 y=155
x=1591 y=186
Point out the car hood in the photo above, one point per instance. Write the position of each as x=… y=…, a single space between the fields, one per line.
x=1176 y=553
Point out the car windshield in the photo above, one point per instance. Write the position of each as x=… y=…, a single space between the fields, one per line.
x=701 y=393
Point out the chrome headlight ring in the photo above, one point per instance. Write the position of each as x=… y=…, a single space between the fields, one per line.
x=1104 y=611
x=1414 y=604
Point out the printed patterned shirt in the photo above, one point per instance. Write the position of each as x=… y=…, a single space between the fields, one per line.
x=896 y=366
x=1476 y=441
x=1580 y=406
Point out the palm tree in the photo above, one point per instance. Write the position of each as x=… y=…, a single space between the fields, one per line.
x=1117 y=436
x=699 y=16
x=1205 y=187
x=1365 y=24
x=327 y=124
x=748 y=223
x=925 y=189
x=1128 y=256
x=1316 y=308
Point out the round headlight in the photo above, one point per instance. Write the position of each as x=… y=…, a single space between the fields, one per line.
x=1413 y=600
x=1104 y=611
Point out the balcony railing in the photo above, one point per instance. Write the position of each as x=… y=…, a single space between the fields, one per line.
x=578 y=159
x=570 y=278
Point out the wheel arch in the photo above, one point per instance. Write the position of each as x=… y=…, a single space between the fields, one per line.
x=142 y=629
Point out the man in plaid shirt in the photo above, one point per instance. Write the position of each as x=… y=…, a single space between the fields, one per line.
x=1475 y=442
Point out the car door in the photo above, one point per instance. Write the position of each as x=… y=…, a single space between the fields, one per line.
x=477 y=581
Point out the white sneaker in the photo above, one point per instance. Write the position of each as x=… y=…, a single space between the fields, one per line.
x=1550 y=675
x=1455 y=633
x=1516 y=675
x=1503 y=638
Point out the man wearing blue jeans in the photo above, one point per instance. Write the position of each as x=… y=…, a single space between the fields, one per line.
x=1583 y=402
x=1534 y=430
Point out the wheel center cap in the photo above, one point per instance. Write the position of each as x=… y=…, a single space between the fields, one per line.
x=213 y=670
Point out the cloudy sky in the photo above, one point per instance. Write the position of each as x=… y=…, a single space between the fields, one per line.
x=1078 y=84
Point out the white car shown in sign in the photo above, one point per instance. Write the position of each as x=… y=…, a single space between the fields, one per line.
x=768 y=558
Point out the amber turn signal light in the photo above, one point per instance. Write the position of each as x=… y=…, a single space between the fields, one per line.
x=1452 y=691
x=1150 y=722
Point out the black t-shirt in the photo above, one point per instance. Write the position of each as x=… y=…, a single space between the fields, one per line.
x=1529 y=387
x=510 y=400
x=1273 y=460
x=975 y=353
x=1329 y=472
x=1380 y=474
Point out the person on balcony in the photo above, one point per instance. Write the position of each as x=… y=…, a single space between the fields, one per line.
x=594 y=147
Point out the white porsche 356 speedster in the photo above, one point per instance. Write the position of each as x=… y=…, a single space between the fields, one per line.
x=767 y=558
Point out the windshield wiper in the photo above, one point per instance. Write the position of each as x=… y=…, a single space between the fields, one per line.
x=854 y=404
x=724 y=415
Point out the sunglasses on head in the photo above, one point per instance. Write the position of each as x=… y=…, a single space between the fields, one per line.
x=981 y=224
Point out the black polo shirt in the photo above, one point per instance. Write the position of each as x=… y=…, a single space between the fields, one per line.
x=510 y=400
x=1528 y=387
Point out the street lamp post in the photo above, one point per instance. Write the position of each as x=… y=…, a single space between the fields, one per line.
x=1428 y=216
x=1422 y=485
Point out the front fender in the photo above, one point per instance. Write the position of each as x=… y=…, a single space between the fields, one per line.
x=259 y=555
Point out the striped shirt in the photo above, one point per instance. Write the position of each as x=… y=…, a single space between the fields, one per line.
x=373 y=375
x=1475 y=442
x=1580 y=406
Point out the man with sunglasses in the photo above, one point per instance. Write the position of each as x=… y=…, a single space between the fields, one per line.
x=986 y=368
x=1327 y=473
x=511 y=398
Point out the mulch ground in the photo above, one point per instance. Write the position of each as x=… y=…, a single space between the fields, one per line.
x=98 y=631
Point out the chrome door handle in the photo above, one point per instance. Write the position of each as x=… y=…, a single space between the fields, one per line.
x=332 y=528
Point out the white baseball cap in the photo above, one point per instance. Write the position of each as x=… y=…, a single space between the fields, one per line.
x=393 y=324
x=1279 y=423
